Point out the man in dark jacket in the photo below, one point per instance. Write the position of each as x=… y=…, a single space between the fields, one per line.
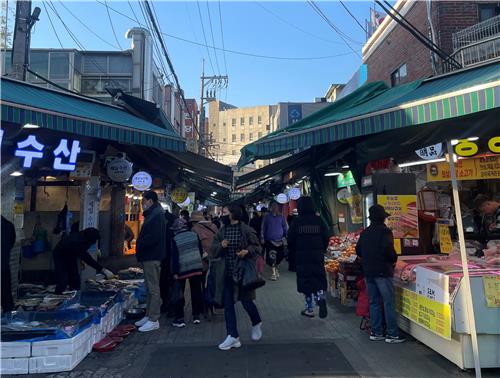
x=376 y=250
x=66 y=255
x=8 y=241
x=307 y=243
x=150 y=251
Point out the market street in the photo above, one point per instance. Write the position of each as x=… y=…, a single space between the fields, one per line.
x=292 y=346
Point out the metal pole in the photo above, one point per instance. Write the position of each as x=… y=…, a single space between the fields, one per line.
x=465 y=266
x=20 y=43
x=201 y=122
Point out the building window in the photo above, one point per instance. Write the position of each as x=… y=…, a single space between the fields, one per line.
x=259 y=120
x=250 y=137
x=242 y=137
x=268 y=127
x=233 y=122
x=250 y=121
x=399 y=75
x=242 y=121
x=260 y=134
x=39 y=63
x=234 y=138
x=487 y=11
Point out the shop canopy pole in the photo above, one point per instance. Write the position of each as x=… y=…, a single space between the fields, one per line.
x=465 y=266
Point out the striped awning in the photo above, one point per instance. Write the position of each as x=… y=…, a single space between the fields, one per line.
x=26 y=103
x=450 y=96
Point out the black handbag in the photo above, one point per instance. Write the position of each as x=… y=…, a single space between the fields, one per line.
x=247 y=275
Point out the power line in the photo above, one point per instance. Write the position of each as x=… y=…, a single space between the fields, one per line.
x=112 y=26
x=213 y=39
x=295 y=26
x=332 y=25
x=222 y=35
x=52 y=24
x=355 y=19
x=236 y=52
x=205 y=36
x=88 y=28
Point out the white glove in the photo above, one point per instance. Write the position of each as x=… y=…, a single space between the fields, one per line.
x=109 y=274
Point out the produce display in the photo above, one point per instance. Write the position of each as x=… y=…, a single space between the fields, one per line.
x=341 y=249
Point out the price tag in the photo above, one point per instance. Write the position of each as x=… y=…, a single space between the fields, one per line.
x=445 y=243
x=492 y=290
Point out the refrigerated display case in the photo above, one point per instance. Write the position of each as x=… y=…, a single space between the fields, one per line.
x=430 y=297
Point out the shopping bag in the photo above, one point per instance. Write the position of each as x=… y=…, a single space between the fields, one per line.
x=249 y=277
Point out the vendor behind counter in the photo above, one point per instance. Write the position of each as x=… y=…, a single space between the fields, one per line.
x=490 y=221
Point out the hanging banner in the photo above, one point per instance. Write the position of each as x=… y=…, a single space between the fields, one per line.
x=480 y=168
x=445 y=243
x=432 y=315
x=346 y=179
x=404 y=216
x=431 y=152
x=492 y=290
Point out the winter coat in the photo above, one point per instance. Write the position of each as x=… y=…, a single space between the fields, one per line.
x=206 y=232
x=187 y=255
x=151 y=242
x=308 y=240
x=74 y=247
x=376 y=249
x=250 y=242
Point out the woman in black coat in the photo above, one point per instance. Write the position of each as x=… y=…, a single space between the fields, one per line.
x=308 y=240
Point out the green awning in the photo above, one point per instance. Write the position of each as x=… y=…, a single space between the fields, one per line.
x=26 y=103
x=374 y=108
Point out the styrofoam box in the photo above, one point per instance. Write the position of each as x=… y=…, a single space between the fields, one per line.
x=12 y=349
x=14 y=366
x=55 y=364
x=61 y=346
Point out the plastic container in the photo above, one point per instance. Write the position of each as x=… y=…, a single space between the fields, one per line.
x=14 y=366
x=15 y=349
x=55 y=364
x=62 y=346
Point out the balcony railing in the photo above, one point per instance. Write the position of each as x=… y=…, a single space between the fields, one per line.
x=476 y=33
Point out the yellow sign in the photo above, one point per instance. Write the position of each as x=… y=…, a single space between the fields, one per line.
x=404 y=216
x=480 y=168
x=179 y=195
x=432 y=315
x=492 y=290
x=445 y=244
x=467 y=147
x=397 y=246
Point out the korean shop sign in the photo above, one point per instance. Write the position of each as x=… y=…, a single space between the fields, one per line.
x=30 y=150
x=142 y=181
x=479 y=168
x=345 y=180
x=472 y=146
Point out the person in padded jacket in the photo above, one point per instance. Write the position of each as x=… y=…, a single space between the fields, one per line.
x=378 y=257
x=150 y=251
x=307 y=241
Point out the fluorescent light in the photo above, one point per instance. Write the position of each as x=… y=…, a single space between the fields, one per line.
x=345 y=167
x=332 y=174
x=30 y=126
x=420 y=162
x=16 y=174
x=454 y=142
x=472 y=139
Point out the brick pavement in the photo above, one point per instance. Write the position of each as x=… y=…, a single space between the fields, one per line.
x=336 y=341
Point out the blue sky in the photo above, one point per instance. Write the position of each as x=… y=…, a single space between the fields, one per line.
x=249 y=27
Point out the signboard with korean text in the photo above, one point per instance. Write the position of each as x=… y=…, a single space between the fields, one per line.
x=179 y=195
x=433 y=285
x=431 y=152
x=404 y=216
x=479 y=168
x=445 y=243
x=492 y=290
x=430 y=314
x=142 y=181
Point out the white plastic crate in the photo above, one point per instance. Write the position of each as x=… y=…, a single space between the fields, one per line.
x=14 y=366
x=55 y=364
x=61 y=346
x=16 y=349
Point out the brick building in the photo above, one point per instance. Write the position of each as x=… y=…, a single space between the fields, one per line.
x=395 y=56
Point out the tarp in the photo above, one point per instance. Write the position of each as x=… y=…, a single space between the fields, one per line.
x=65 y=112
x=374 y=108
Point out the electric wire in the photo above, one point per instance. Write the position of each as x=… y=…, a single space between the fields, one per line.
x=237 y=52
x=332 y=25
x=222 y=37
x=205 y=37
x=87 y=27
x=112 y=26
x=213 y=39
x=353 y=17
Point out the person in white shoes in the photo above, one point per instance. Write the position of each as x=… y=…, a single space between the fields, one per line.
x=235 y=241
x=151 y=250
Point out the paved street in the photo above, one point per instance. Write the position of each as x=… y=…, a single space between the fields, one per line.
x=293 y=346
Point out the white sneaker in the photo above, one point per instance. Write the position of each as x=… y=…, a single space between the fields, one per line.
x=141 y=322
x=230 y=342
x=257 y=332
x=150 y=326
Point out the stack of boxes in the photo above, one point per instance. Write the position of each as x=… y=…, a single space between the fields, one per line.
x=347 y=277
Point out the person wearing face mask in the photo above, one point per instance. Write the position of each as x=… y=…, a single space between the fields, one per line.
x=225 y=216
x=150 y=251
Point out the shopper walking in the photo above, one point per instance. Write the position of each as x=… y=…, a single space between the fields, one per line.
x=307 y=242
x=256 y=221
x=273 y=235
x=376 y=250
x=150 y=251
x=66 y=255
x=8 y=241
x=233 y=242
x=187 y=264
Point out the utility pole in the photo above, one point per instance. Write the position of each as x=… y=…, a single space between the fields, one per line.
x=213 y=83
x=22 y=38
